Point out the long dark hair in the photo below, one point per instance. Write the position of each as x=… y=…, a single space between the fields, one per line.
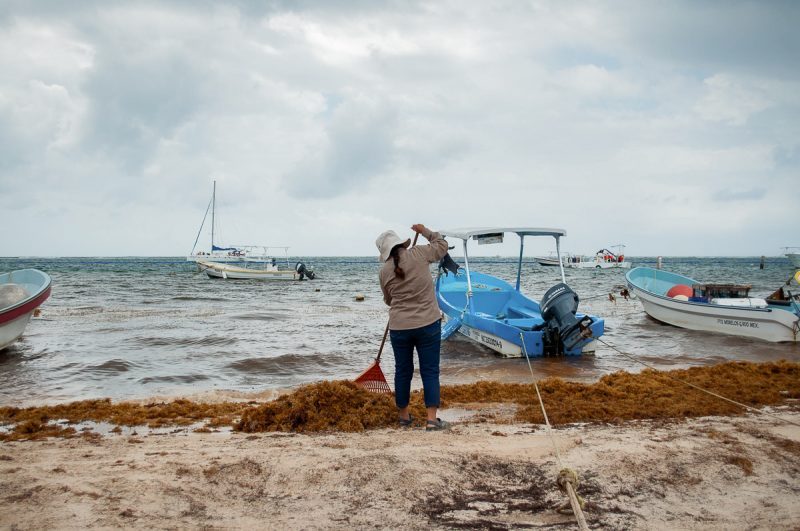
x=395 y=254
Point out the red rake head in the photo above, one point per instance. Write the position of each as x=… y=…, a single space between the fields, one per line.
x=373 y=379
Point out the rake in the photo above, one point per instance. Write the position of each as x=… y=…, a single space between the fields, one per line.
x=373 y=379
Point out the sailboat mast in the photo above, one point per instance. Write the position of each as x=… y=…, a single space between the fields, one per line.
x=213 y=205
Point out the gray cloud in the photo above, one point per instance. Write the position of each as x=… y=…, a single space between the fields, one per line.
x=357 y=145
x=752 y=194
x=123 y=113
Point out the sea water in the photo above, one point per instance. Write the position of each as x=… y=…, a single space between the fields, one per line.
x=131 y=328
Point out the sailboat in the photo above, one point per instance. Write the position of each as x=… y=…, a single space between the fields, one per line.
x=252 y=261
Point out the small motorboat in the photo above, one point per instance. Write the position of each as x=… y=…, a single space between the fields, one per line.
x=793 y=254
x=268 y=272
x=495 y=314
x=21 y=292
x=725 y=308
x=550 y=260
x=602 y=259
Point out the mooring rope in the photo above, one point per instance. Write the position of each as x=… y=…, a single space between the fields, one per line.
x=690 y=384
x=567 y=478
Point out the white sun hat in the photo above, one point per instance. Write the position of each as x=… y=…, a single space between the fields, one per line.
x=389 y=240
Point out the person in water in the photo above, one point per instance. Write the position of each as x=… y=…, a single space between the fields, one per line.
x=414 y=316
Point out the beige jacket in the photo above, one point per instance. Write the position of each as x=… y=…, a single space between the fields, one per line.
x=412 y=300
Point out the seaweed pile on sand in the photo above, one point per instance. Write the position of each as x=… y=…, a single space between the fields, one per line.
x=647 y=395
x=42 y=421
x=327 y=406
x=345 y=407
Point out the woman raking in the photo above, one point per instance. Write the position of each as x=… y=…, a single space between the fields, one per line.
x=414 y=316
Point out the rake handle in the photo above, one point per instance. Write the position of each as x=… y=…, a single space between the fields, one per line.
x=386 y=331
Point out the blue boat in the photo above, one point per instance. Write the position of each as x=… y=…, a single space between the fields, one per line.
x=495 y=314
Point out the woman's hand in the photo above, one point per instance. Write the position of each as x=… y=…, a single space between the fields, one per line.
x=419 y=228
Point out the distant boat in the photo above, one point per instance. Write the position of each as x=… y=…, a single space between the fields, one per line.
x=793 y=254
x=229 y=253
x=269 y=272
x=551 y=260
x=724 y=308
x=21 y=292
x=496 y=314
x=602 y=259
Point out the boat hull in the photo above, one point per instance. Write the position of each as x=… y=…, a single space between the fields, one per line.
x=769 y=324
x=598 y=265
x=228 y=272
x=15 y=317
x=13 y=330
x=544 y=261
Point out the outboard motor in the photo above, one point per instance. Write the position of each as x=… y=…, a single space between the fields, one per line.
x=563 y=331
x=304 y=271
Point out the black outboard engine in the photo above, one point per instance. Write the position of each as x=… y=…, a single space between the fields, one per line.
x=562 y=330
x=304 y=272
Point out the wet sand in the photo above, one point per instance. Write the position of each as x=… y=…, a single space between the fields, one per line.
x=705 y=473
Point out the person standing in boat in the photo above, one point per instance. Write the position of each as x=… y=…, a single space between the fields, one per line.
x=414 y=316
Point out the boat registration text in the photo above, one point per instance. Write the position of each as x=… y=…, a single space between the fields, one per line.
x=735 y=322
x=486 y=340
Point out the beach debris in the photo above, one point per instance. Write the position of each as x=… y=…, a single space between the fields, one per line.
x=344 y=406
x=360 y=297
x=612 y=298
x=327 y=406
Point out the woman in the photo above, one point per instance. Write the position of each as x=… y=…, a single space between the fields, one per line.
x=414 y=317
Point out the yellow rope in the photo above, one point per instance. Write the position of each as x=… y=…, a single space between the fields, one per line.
x=567 y=478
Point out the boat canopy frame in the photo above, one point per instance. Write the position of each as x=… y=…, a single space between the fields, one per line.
x=464 y=234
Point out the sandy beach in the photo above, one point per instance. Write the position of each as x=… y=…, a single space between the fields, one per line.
x=740 y=472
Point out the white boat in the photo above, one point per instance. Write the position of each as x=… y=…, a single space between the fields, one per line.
x=724 y=308
x=551 y=260
x=268 y=272
x=602 y=259
x=21 y=292
x=793 y=254
x=229 y=253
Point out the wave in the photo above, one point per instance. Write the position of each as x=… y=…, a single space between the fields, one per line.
x=198 y=298
x=111 y=366
x=179 y=378
x=211 y=340
x=289 y=364
x=257 y=316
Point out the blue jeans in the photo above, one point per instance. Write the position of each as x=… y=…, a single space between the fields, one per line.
x=427 y=340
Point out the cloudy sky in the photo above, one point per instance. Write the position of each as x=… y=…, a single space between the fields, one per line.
x=672 y=127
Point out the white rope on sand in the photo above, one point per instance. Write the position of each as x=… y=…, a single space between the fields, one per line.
x=750 y=408
x=567 y=478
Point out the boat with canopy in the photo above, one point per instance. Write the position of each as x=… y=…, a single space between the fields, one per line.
x=492 y=312
x=602 y=259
